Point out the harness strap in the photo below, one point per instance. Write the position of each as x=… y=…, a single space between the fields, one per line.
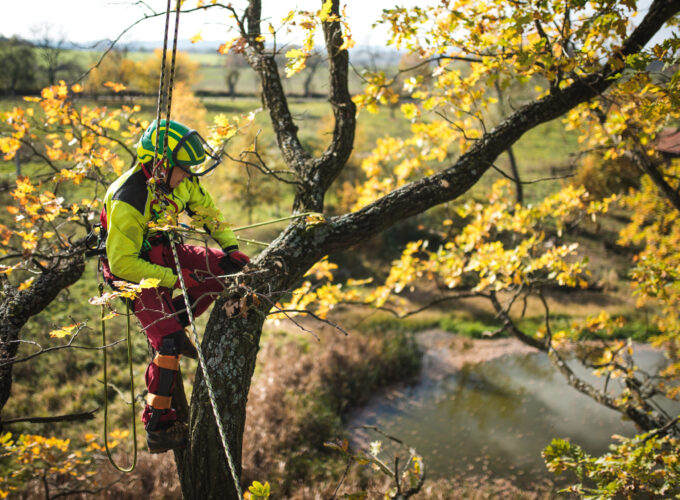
x=158 y=402
x=167 y=362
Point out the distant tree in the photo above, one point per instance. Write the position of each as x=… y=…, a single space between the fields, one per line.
x=234 y=64
x=17 y=65
x=231 y=81
x=116 y=67
x=53 y=53
x=186 y=71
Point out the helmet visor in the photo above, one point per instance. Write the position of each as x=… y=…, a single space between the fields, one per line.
x=212 y=159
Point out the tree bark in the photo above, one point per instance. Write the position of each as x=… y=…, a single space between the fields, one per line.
x=231 y=345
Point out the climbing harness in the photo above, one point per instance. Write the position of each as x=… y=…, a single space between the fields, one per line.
x=106 y=390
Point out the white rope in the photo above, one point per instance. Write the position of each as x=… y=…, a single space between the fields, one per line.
x=204 y=367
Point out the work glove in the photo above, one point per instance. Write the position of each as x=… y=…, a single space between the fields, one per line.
x=190 y=279
x=233 y=261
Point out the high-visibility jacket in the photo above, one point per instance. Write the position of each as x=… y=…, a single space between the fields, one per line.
x=130 y=204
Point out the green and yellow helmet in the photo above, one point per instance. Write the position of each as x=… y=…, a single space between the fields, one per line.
x=186 y=148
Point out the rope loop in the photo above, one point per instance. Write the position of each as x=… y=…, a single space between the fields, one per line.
x=106 y=390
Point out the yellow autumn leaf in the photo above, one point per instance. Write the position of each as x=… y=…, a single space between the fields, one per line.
x=325 y=11
x=26 y=284
x=149 y=283
x=64 y=331
x=116 y=87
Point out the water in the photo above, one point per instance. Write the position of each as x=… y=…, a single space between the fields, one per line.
x=494 y=418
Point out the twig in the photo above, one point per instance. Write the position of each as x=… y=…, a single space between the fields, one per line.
x=122 y=33
x=662 y=430
x=535 y=181
x=94 y=492
x=71 y=417
x=56 y=348
x=309 y=313
x=377 y=429
x=344 y=476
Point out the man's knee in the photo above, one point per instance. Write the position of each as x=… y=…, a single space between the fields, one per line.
x=171 y=345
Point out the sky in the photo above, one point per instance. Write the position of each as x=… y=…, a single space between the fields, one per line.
x=84 y=21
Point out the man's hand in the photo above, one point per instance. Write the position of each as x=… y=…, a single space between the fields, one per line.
x=190 y=280
x=239 y=258
x=234 y=261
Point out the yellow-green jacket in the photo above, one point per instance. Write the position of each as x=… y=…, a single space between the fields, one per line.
x=130 y=203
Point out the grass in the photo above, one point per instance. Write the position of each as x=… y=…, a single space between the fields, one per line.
x=479 y=321
x=294 y=407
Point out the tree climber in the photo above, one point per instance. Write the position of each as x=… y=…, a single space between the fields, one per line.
x=135 y=252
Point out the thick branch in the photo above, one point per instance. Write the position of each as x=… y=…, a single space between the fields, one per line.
x=325 y=169
x=273 y=96
x=316 y=175
x=651 y=168
x=18 y=306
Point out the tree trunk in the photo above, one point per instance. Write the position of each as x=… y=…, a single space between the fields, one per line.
x=230 y=346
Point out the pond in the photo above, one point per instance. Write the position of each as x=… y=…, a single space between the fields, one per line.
x=493 y=418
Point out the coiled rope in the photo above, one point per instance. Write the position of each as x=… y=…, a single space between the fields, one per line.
x=106 y=390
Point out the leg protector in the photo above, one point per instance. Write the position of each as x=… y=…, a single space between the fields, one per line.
x=167 y=361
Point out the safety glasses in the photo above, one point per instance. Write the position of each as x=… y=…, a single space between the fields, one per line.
x=211 y=162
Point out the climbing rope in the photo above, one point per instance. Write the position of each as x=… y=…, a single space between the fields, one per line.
x=106 y=390
x=158 y=165
x=184 y=228
x=204 y=368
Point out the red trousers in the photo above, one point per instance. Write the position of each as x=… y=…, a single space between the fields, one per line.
x=155 y=308
x=160 y=315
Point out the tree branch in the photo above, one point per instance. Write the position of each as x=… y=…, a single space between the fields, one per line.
x=325 y=169
x=71 y=417
x=273 y=96
x=416 y=197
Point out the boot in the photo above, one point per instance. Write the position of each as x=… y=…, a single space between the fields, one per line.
x=188 y=347
x=172 y=438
